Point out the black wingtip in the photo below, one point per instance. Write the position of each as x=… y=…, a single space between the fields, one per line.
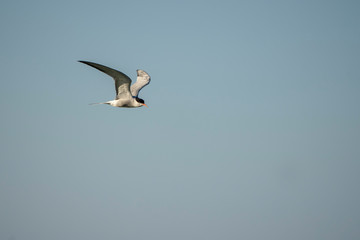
x=87 y=63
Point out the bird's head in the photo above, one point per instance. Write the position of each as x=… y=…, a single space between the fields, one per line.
x=141 y=101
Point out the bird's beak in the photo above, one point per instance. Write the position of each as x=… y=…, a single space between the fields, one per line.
x=145 y=105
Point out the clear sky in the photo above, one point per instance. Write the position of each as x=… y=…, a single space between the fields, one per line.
x=252 y=130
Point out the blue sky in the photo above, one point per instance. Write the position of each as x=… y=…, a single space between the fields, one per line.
x=252 y=130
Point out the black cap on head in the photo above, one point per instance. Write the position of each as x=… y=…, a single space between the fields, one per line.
x=139 y=100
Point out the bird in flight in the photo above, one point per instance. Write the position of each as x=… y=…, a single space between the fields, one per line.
x=126 y=95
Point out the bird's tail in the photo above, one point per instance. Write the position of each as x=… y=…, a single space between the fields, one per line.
x=99 y=103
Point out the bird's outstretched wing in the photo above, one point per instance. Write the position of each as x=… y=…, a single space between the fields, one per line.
x=142 y=80
x=122 y=82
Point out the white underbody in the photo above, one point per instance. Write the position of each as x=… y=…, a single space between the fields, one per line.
x=127 y=103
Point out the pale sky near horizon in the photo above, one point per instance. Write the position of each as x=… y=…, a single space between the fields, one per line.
x=252 y=130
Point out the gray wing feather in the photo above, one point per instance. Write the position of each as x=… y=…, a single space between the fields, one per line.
x=122 y=82
x=142 y=80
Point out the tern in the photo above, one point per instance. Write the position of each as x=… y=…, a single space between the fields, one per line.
x=126 y=96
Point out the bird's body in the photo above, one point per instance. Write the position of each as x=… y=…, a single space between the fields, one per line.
x=126 y=103
x=126 y=96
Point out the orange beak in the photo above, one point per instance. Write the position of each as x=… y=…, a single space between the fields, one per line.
x=145 y=105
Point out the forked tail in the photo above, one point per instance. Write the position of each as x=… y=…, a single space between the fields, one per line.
x=99 y=103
